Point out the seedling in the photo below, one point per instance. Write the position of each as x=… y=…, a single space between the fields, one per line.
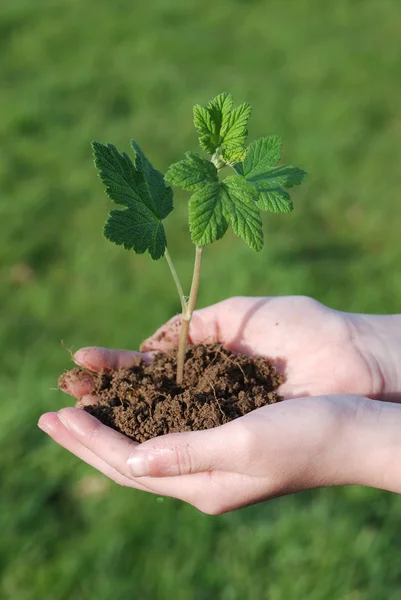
x=256 y=185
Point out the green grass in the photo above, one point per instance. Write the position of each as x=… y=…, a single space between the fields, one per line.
x=323 y=75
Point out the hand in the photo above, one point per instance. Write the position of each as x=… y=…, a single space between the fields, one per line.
x=275 y=450
x=322 y=351
x=300 y=444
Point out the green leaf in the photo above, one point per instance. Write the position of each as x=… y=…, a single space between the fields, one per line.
x=136 y=229
x=208 y=139
x=141 y=190
x=220 y=109
x=233 y=156
x=124 y=184
x=240 y=207
x=207 y=222
x=215 y=204
x=191 y=173
x=221 y=126
x=235 y=131
x=161 y=193
x=239 y=168
x=259 y=170
x=261 y=155
x=284 y=175
x=276 y=200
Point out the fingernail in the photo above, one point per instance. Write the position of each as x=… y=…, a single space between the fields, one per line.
x=138 y=462
x=79 y=355
x=63 y=420
x=43 y=427
x=70 y=422
x=46 y=422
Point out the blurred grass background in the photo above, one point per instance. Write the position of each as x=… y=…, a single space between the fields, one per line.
x=325 y=76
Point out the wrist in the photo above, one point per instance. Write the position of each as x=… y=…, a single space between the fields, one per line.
x=378 y=339
x=373 y=443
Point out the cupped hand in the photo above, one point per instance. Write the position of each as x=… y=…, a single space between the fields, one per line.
x=320 y=350
x=275 y=450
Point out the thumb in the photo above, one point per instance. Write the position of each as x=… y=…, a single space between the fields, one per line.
x=204 y=328
x=184 y=453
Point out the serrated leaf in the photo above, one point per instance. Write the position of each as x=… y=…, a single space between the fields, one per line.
x=141 y=189
x=262 y=154
x=161 y=193
x=240 y=185
x=136 y=228
x=238 y=168
x=124 y=183
x=284 y=175
x=207 y=222
x=208 y=138
x=222 y=126
x=235 y=132
x=239 y=204
x=269 y=180
x=192 y=172
x=220 y=109
x=276 y=200
x=234 y=156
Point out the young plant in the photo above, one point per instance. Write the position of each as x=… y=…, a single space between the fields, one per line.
x=256 y=185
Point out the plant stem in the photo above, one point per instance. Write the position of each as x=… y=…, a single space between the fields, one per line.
x=177 y=281
x=187 y=315
x=195 y=280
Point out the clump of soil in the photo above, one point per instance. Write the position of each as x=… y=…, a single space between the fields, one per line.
x=144 y=401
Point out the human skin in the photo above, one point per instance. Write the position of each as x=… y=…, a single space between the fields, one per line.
x=330 y=431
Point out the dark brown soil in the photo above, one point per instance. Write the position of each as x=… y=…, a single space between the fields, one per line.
x=144 y=401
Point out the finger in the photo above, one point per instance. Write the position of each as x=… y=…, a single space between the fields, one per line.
x=230 y=322
x=294 y=428
x=76 y=383
x=51 y=424
x=169 y=455
x=98 y=359
x=108 y=444
x=178 y=454
x=165 y=337
x=88 y=400
x=203 y=329
x=115 y=449
x=166 y=456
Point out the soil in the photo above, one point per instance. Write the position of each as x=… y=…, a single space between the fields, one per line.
x=144 y=401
